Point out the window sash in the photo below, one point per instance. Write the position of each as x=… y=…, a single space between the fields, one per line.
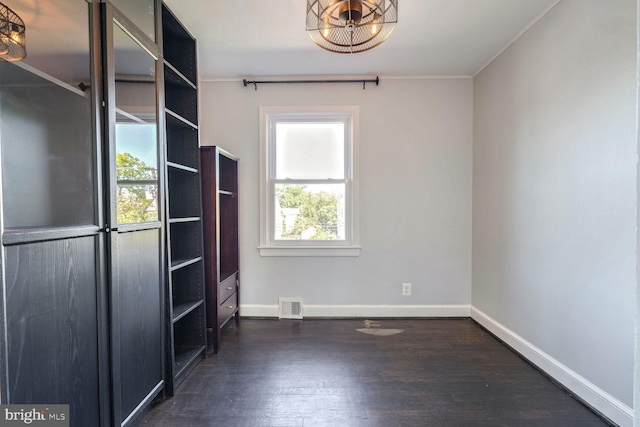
x=349 y=246
x=310 y=119
x=348 y=213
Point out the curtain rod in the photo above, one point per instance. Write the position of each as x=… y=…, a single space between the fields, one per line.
x=364 y=82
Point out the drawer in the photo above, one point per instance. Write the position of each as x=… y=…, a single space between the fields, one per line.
x=227 y=309
x=227 y=287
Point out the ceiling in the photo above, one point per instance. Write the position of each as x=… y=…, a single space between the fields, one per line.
x=244 y=38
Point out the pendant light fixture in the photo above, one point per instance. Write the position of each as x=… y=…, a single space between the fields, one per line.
x=350 y=26
x=12 y=37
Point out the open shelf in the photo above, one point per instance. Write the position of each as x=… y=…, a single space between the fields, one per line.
x=184 y=193
x=187 y=291
x=180 y=78
x=189 y=243
x=182 y=143
x=177 y=119
x=177 y=264
x=187 y=322
x=181 y=310
x=182 y=167
x=224 y=275
x=181 y=97
x=186 y=219
x=41 y=74
x=185 y=358
x=179 y=46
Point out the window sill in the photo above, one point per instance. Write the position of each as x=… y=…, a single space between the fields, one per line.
x=309 y=251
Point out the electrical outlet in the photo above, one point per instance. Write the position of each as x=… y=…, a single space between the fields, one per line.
x=406 y=289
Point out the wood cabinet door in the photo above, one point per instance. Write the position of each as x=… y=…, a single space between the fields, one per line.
x=54 y=348
x=135 y=217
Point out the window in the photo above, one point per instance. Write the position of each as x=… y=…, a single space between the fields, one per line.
x=309 y=190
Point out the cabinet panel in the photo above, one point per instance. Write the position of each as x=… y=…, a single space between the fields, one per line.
x=52 y=330
x=138 y=295
x=137 y=244
x=54 y=303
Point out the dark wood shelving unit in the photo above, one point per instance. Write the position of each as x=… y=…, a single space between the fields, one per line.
x=186 y=295
x=220 y=213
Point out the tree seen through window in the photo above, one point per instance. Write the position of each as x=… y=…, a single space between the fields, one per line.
x=307 y=215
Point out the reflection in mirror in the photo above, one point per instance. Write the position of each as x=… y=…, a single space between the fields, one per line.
x=57 y=34
x=136 y=131
x=46 y=128
x=140 y=12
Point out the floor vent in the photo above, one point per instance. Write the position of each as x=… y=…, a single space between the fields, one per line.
x=290 y=308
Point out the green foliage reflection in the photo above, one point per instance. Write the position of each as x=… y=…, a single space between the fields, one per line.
x=137 y=190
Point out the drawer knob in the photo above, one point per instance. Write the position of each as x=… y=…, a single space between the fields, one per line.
x=231 y=307
x=229 y=288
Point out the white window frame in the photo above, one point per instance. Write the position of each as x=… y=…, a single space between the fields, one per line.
x=350 y=246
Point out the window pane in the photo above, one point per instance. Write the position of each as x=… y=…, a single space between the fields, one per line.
x=136 y=132
x=309 y=150
x=310 y=212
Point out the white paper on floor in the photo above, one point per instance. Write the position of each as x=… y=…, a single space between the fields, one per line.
x=368 y=324
x=381 y=332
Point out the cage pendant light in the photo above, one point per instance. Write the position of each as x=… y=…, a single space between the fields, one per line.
x=12 y=37
x=350 y=26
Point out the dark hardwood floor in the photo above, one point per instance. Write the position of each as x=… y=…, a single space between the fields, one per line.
x=442 y=372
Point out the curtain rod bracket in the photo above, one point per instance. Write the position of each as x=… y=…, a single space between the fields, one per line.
x=255 y=83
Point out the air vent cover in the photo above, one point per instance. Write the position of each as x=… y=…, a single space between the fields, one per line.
x=290 y=308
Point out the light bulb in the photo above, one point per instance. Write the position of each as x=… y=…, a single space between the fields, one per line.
x=15 y=34
x=325 y=31
x=374 y=24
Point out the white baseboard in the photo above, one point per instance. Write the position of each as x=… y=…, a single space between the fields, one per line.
x=375 y=311
x=259 y=310
x=600 y=400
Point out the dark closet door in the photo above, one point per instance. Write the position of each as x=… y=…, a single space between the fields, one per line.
x=54 y=300
x=136 y=245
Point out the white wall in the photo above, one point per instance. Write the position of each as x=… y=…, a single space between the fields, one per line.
x=554 y=193
x=415 y=196
x=637 y=352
